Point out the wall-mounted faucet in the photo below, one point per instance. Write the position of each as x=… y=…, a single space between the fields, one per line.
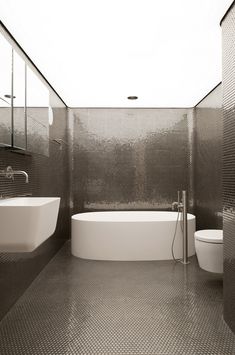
x=9 y=173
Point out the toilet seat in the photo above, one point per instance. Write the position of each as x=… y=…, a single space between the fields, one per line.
x=210 y=236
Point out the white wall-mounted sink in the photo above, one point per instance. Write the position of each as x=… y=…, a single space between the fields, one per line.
x=26 y=222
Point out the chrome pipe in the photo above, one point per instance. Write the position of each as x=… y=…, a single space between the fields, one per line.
x=185 y=227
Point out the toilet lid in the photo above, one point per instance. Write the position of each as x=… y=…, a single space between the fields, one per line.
x=210 y=235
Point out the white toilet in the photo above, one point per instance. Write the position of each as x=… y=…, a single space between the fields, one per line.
x=209 y=249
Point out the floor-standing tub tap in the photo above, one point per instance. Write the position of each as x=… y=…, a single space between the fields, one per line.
x=185 y=227
x=182 y=206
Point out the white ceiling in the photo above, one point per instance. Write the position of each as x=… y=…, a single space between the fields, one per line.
x=95 y=53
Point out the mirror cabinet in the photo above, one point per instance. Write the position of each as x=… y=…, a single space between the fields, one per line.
x=24 y=103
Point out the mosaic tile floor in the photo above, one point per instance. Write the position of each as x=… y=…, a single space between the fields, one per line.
x=96 y=307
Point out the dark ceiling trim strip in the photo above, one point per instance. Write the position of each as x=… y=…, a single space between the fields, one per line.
x=226 y=13
x=30 y=60
x=208 y=94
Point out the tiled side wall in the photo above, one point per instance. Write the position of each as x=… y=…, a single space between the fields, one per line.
x=228 y=29
x=208 y=161
x=47 y=177
x=130 y=158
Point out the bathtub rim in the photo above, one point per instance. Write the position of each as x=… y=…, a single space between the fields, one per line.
x=80 y=216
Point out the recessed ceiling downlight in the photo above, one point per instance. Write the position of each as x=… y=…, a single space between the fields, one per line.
x=132 y=97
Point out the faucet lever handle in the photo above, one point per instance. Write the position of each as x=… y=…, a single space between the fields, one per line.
x=9 y=173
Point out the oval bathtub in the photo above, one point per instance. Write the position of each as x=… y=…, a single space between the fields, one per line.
x=129 y=235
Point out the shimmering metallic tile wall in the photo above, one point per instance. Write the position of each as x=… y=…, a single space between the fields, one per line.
x=228 y=30
x=129 y=158
x=208 y=168
x=48 y=176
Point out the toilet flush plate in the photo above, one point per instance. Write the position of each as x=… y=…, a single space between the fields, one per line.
x=26 y=222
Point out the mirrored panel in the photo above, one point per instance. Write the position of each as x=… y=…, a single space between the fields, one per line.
x=24 y=100
x=5 y=92
x=37 y=114
x=19 y=122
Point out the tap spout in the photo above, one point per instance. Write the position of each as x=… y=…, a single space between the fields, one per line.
x=21 y=172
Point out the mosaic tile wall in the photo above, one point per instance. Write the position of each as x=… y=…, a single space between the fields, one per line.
x=130 y=158
x=48 y=176
x=208 y=161
x=228 y=30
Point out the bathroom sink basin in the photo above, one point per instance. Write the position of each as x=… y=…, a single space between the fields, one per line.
x=26 y=222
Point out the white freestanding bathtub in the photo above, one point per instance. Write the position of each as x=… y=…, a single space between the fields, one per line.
x=129 y=235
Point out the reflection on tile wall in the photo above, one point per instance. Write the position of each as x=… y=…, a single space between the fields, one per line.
x=129 y=158
x=37 y=129
x=19 y=127
x=48 y=176
x=228 y=29
x=5 y=125
x=208 y=161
